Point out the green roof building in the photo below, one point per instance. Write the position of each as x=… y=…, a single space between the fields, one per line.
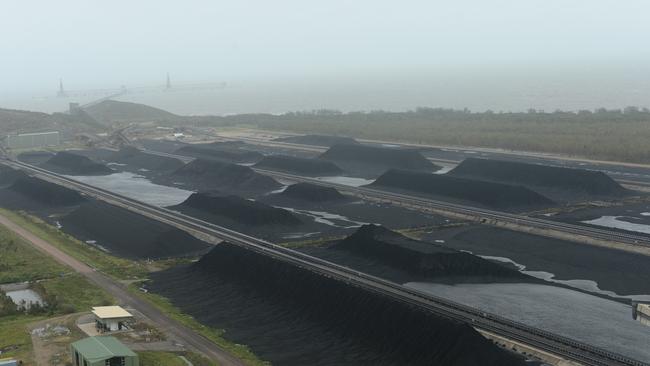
x=102 y=351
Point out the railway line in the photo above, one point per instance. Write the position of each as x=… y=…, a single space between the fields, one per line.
x=561 y=346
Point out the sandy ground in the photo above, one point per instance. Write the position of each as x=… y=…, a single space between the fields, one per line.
x=153 y=314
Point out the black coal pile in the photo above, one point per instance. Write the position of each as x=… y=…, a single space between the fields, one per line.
x=213 y=205
x=291 y=316
x=318 y=140
x=35 y=157
x=9 y=175
x=204 y=174
x=302 y=166
x=65 y=162
x=26 y=191
x=312 y=193
x=546 y=179
x=417 y=257
x=376 y=160
x=128 y=234
x=226 y=151
x=488 y=194
x=136 y=159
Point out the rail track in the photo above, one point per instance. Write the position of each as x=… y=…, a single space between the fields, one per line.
x=563 y=347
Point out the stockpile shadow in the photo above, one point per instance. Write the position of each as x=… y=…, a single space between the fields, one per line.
x=291 y=316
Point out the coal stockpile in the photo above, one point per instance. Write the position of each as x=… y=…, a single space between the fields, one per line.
x=417 y=257
x=550 y=178
x=488 y=194
x=211 y=205
x=357 y=157
x=35 y=157
x=39 y=192
x=312 y=193
x=204 y=174
x=65 y=162
x=303 y=166
x=137 y=159
x=226 y=151
x=128 y=234
x=318 y=140
x=290 y=316
x=9 y=175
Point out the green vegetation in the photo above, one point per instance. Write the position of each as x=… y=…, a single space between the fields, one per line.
x=63 y=291
x=15 y=340
x=238 y=350
x=158 y=358
x=72 y=292
x=153 y=358
x=114 y=266
x=619 y=135
x=19 y=262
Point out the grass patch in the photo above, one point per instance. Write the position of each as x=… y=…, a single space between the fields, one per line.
x=20 y=262
x=215 y=335
x=160 y=358
x=15 y=340
x=116 y=267
x=155 y=358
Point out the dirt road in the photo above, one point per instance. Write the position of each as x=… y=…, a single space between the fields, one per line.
x=166 y=324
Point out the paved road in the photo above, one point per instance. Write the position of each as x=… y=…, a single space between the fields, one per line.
x=170 y=326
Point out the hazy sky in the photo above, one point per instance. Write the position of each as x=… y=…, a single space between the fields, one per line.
x=110 y=43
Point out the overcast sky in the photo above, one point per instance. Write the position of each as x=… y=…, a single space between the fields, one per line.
x=109 y=43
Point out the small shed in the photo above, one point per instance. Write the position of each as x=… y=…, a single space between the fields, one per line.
x=111 y=318
x=102 y=351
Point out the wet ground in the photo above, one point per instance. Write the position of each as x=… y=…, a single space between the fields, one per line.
x=603 y=323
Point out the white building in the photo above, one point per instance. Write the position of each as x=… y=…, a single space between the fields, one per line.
x=111 y=318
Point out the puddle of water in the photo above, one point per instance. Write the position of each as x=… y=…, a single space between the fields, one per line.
x=327 y=218
x=348 y=181
x=593 y=320
x=446 y=168
x=300 y=235
x=614 y=222
x=137 y=187
x=25 y=297
x=586 y=285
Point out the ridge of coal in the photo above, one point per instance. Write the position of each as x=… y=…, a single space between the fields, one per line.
x=293 y=164
x=312 y=192
x=391 y=157
x=9 y=175
x=417 y=257
x=64 y=162
x=212 y=174
x=535 y=175
x=139 y=159
x=241 y=210
x=489 y=194
x=45 y=192
x=318 y=140
x=226 y=151
x=312 y=319
x=128 y=234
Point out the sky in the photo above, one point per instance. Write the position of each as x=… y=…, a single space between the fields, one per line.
x=104 y=44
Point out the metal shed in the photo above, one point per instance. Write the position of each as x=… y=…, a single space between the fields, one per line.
x=102 y=351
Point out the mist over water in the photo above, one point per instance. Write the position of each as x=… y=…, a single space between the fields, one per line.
x=478 y=90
